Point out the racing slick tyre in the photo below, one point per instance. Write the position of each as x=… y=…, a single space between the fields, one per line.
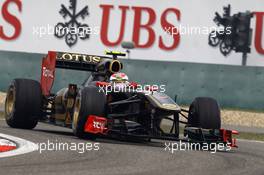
x=204 y=113
x=89 y=102
x=23 y=104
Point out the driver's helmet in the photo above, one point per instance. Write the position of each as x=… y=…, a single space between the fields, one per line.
x=119 y=78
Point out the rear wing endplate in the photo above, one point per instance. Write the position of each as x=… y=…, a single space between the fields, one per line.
x=66 y=60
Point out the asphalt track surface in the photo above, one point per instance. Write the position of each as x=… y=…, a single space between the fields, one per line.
x=119 y=157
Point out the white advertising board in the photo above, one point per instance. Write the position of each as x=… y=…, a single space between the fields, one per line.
x=29 y=26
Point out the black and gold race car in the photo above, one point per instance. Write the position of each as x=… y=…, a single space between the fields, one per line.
x=91 y=112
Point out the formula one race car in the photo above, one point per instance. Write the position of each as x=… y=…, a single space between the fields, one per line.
x=108 y=104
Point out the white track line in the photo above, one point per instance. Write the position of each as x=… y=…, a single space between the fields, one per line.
x=253 y=141
x=24 y=146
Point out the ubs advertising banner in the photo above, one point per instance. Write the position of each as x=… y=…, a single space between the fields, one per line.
x=166 y=30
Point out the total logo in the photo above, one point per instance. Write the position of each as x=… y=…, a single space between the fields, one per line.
x=48 y=73
x=98 y=125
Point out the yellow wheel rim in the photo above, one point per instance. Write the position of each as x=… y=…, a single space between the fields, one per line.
x=10 y=101
x=77 y=107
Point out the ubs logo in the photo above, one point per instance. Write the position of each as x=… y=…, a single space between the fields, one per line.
x=72 y=29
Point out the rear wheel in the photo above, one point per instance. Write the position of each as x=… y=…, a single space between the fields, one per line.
x=23 y=104
x=204 y=113
x=89 y=102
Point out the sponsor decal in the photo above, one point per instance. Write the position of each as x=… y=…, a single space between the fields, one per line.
x=48 y=73
x=78 y=58
x=258 y=33
x=10 y=19
x=95 y=124
x=98 y=125
x=72 y=29
x=139 y=26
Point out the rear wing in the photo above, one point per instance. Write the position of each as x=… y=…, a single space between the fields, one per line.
x=74 y=61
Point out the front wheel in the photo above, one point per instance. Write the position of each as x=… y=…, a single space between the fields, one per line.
x=204 y=113
x=89 y=102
